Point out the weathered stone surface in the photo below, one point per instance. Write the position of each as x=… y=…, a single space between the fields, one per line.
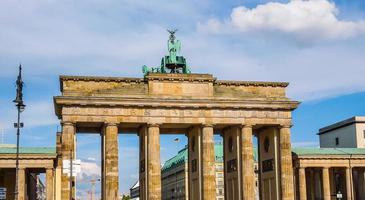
x=302 y=184
x=21 y=184
x=287 y=184
x=49 y=183
x=111 y=162
x=194 y=163
x=248 y=173
x=68 y=151
x=208 y=163
x=326 y=184
x=175 y=102
x=153 y=163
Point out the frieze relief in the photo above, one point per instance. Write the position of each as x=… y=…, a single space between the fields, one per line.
x=170 y=112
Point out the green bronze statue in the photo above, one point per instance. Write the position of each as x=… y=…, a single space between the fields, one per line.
x=172 y=63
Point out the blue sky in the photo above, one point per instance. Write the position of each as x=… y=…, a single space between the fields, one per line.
x=318 y=46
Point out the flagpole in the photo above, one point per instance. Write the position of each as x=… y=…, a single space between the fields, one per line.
x=20 y=107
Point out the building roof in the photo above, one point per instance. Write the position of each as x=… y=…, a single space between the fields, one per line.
x=135 y=185
x=182 y=157
x=343 y=123
x=328 y=151
x=11 y=149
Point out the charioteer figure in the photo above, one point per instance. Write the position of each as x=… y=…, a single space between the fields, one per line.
x=172 y=63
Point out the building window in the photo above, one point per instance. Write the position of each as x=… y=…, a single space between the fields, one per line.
x=364 y=133
x=337 y=141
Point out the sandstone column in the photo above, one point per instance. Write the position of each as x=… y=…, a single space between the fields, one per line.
x=142 y=133
x=102 y=145
x=153 y=163
x=21 y=184
x=208 y=163
x=232 y=139
x=302 y=184
x=194 y=163
x=111 y=162
x=287 y=189
x=49 y=183
x=67 y=149
x=248 y=171
x=348 y=183
x=326 y=184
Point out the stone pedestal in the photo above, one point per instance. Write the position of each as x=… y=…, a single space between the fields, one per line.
x=68 y=153
x=248 y=171
x=302 y=184
x=287 y=189
x=21 y=184
x=111 y=162
x=326 y=184
x=49 y=184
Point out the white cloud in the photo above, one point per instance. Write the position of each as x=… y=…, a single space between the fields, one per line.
x=304 y=19
x=89 y=170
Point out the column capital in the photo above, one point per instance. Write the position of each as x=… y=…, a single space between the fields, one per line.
x=68 y=123
x=156 y=125
x=210 y=125
x=285 y=125
x=107 y=123
x=247 y=125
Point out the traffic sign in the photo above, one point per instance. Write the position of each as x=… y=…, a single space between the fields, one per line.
x=76 y=167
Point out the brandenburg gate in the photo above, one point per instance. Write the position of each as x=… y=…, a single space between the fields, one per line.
x=197 y=105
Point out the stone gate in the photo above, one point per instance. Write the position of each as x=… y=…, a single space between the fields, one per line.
x=197 y=105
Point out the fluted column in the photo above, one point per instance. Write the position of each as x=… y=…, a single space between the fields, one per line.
x=67 y=149
x=153 y=163
x=326 y=184
x=21 y=184
x=348 y=183
x=208 y=163
x=49 y=183
x=111 y=162
x=302 y=184
x=287 y=189
x=248 y=171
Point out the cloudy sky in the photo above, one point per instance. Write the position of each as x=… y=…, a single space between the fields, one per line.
x=317 y=45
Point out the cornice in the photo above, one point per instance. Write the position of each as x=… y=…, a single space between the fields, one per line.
x=99 y=79
x=180 y=77
x=252 y=83
x=61 y=101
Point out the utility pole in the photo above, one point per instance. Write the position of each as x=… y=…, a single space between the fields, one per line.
x=20 y=107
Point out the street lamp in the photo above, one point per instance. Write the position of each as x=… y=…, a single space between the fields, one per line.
x=20 y=107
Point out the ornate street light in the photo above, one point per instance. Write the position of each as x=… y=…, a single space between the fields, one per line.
x=20 y=106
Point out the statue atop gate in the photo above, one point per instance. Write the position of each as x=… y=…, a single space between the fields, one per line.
x=172 y=63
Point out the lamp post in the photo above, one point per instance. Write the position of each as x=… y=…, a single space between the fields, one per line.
x=20 y=107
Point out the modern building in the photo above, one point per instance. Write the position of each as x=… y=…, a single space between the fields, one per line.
x=337 y=167
x=32 y=162
x=349 y=133
x=322 y=173
x=134 y=191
